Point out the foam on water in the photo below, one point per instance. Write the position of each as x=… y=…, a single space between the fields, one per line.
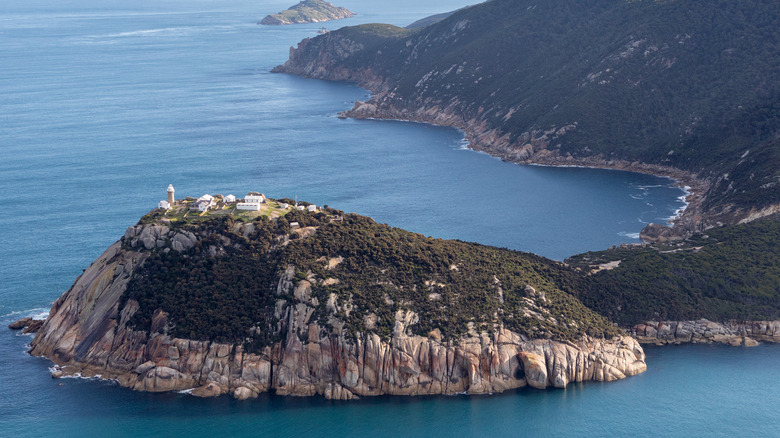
x=36 y=313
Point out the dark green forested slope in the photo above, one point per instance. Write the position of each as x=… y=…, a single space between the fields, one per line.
x=689 y=84
x=233 y=296
x=727 y=273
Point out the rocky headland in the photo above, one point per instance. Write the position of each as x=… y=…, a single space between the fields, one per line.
x=308 y=11
x=307 y=342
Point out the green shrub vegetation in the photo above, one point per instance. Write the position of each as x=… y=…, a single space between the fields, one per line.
x=450 y=285
x=728 y=273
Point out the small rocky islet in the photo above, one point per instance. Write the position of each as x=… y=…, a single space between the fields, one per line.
x=308 y=11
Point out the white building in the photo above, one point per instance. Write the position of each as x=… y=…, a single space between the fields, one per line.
x=312 y=208
x=294 y=225
x=254 y=198
x=230 y=198
x=164 y=204
x=201 y=205
x=285 y=206
x=251 y=206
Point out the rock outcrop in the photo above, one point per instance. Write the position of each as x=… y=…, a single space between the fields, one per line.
x=26 y=325
x=88 y=334
x=704 y=331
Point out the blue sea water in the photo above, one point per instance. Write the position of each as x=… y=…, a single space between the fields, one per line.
x=103 y=104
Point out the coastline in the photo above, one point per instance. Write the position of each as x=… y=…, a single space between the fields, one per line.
x=315 y=58
x=685 y=221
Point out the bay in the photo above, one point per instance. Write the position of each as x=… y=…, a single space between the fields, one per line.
x=103 y=104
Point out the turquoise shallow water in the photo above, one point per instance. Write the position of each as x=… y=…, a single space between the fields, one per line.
x=102 y=106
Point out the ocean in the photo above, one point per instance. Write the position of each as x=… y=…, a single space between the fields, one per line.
x=103 y=104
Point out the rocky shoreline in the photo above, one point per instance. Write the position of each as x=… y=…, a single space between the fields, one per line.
x=702 y=331
x=535 y=152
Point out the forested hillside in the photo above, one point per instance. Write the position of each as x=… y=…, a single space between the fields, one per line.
x=683 y=84
x=729 y=273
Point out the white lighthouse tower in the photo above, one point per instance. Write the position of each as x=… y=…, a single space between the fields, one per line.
x=170 y=194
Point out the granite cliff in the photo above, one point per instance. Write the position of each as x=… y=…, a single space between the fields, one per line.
x=316 y=325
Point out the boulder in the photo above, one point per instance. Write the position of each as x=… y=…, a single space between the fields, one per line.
x=243 y=393
x=535 y=369
x=20 y=324
x=210 y=389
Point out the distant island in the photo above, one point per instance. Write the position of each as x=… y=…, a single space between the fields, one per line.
x=308 y=11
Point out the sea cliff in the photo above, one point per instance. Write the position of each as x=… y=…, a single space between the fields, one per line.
x=91 y=331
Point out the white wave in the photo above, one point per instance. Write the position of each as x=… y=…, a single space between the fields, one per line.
x=96 y=377
x=185 y=391
x=166 y=31
x=629 y=235
x=35 y=313
x=684 y=200
x=636 y=197
x=162 y=32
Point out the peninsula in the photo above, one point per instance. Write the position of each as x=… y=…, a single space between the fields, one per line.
x=308 y=11
x=304 y=300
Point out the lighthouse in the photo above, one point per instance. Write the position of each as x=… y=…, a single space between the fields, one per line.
x=170 y=194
